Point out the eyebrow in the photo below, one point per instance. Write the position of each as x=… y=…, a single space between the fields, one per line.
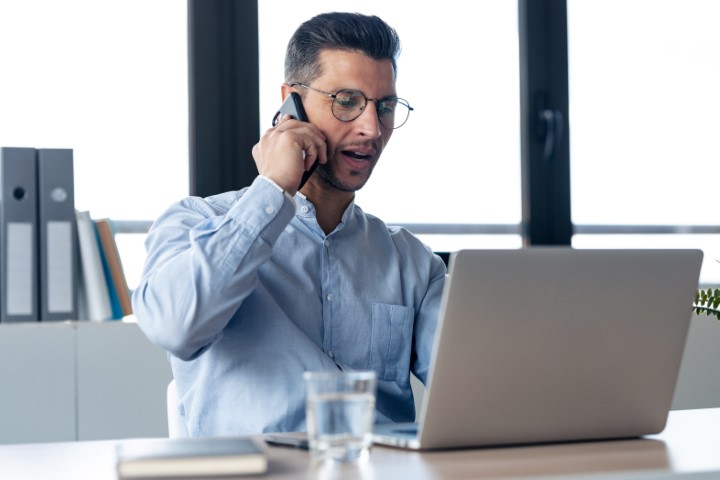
x=384 y=97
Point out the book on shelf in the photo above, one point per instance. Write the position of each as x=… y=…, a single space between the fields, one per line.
x=200 y=457
x=94 y=298
x=117 y=283
x=115 y=310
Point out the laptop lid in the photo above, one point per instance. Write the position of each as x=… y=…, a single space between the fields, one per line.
x=550 y=344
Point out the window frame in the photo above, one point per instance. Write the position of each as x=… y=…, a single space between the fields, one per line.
x=224 y=118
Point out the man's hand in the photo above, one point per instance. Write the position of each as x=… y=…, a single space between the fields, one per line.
x=287 y=150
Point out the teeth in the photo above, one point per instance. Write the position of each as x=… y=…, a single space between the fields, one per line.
x=358 y=155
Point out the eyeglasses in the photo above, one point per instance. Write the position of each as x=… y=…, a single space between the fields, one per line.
x=347 y=105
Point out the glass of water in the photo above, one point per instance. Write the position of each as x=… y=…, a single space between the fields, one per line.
x=340 y=414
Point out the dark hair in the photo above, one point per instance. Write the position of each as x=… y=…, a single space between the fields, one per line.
x=338 y=31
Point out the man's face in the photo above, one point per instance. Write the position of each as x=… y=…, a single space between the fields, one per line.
x=353 y=147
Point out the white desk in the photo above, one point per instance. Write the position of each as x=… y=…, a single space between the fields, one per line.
x=689 y=447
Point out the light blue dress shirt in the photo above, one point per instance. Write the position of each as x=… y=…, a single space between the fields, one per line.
x=246 y=292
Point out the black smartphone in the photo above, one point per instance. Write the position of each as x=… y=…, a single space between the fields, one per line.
x=293 y=106
x=289 y=439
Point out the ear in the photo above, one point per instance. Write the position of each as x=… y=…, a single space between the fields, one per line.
x=285 y=90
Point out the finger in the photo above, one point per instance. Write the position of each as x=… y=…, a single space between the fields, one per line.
x=322 y=154
x=316 y=150
x=309 y=157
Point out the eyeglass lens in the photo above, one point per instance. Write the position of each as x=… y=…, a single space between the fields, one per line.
x=349 y=104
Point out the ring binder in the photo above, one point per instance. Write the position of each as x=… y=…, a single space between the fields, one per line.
x=18 y=238
x=57 y=235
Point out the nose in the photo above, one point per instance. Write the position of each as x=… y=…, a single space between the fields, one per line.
x=368 y=123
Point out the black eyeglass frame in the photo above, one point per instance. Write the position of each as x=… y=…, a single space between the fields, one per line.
x=376 y=101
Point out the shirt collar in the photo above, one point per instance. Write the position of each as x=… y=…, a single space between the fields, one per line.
x=304 y=209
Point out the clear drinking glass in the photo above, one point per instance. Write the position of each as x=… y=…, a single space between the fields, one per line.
x=340 y=414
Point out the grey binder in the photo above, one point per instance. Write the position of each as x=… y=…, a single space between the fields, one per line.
x=18 y=235
x=58 y=235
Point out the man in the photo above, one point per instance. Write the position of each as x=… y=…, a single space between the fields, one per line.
x=248 y=289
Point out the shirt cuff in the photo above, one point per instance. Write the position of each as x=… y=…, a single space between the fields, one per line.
x=279 y=188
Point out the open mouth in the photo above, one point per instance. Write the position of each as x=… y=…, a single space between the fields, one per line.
x=358 y=161
x=360 y=157
x=356 y=155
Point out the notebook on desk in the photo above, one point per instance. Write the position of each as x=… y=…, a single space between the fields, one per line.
x=552 y=344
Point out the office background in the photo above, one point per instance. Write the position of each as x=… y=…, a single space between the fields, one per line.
x=586 y=122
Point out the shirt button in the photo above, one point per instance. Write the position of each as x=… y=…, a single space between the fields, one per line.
x=330 y=297
x=269 y=210
x=327 y=243
x=331 y=354
x=304 y=209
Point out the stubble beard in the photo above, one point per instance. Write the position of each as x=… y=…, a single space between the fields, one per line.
x=326 y=172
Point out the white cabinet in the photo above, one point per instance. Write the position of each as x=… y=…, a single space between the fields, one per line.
x=80 y=381
x=699 y=379
x=37 y=383
x=94 y=381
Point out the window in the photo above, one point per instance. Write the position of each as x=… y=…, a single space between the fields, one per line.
x=453 y=171
x=109 y=80
x=644 y=98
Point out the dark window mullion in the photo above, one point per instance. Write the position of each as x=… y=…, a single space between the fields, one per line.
x=223 y=94
x=544 y=111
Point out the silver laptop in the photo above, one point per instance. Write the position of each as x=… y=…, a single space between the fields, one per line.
x=551 y=344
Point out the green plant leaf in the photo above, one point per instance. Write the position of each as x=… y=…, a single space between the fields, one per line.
x=707 y=302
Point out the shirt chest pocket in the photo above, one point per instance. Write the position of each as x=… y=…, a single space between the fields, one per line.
x=391 y=341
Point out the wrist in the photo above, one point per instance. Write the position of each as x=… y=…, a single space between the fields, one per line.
x=272 y=182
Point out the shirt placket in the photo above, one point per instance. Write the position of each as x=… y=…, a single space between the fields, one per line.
x=328 y=298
